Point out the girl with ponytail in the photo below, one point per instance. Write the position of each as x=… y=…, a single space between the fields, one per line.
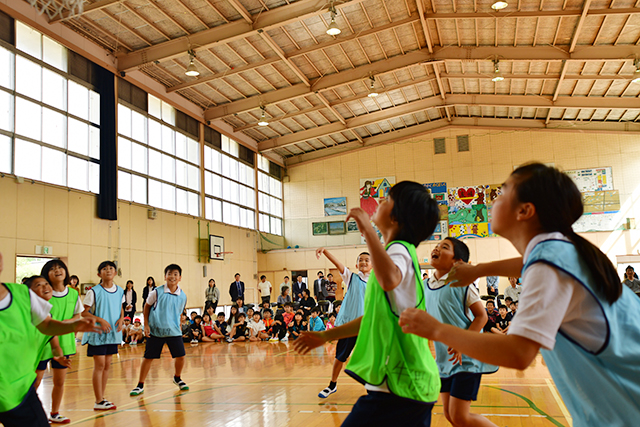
x=573 y=307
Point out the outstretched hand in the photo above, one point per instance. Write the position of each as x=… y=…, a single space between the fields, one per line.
x=85 y=324
x=307 y=341
x=462 y=274
x=319 y=252
x=360 y=217
x=418 y=322
x=456 y=356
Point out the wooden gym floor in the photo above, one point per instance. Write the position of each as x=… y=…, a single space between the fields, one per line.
x=268 y=384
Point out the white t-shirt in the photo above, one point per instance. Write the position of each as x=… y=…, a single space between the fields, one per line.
x=90 y=297
x=404 y=295
x=288 y=284
x=512 y=292
x=256 y=327
x=553 y=300
x=79 y=307
x=39 y=308
x=153 y=295
x=472 y=294
x=265 y=288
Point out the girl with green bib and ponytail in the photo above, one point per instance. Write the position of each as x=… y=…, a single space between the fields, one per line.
x=397 y=369
x=24 y=317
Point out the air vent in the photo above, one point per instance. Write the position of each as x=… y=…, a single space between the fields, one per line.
x=463 y=143
x=439 y=146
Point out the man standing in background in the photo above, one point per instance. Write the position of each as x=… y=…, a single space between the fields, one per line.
x=264 y=288
x=236 y=289
x=320 y=287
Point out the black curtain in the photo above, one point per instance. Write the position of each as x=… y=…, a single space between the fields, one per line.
x=108 y=197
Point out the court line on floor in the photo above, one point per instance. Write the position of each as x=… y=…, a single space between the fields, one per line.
x=531 y=405
x=559 y=401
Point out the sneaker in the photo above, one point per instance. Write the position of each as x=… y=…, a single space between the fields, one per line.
x=181 y=384
x=194 y=341
x=59 y=419
x=136 y=391
x=133 y=343
x=105 y=405
x=229 y=339
x=327 y=391
x=285 y=339
x=273 y=339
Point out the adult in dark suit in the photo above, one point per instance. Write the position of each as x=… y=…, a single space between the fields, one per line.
x=236 y=289
x=298 y=287
x=320 y=287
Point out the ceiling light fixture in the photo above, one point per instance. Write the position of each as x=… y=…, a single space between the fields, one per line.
x=372 y=91
x=333 y=29
x=192 y=71
x=263 y=118
x=636 y=75
x=497 y=75
x=499 y=5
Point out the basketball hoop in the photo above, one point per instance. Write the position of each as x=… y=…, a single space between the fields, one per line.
x=57 y=7
x=218 y=254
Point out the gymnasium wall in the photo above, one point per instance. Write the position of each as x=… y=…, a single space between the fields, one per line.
x=40 y=214
x=492 y=156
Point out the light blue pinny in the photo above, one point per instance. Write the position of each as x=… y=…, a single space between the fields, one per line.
x=447 y=305
x=108 y=306
x=164 y=318
x=353 y=305
x=601 y=388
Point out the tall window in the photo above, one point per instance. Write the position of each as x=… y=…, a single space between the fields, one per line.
x=229 y=184
x=159 y=165
x=49 y=120
x=270 y=196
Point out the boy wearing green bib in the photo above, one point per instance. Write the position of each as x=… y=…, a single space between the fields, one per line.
x=398 y=371
x=23 y=317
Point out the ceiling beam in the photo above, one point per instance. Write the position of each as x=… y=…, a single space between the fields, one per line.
x=534 y=14
x=517 y=101
x=241 y=10
x=506 y=53
x=576 y=33
x=269 y=41
x=425 y=25
x=563 y=72
x=301 y=52
x=91 y=7
x=225 y=33
x=464 y=123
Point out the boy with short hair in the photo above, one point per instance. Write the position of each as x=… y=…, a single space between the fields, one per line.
x=196 y=330
x=281 y=322
x=351 y=308
x=257 y=328
x=162 y=326
x=492 y=316
x=315 y=322
x=193 y=317
x=220 y=326
x=264 y=289
x=239 y=330
x=502 y=324
x=104 y=301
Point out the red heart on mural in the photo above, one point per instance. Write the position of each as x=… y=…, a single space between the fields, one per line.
x=466 y=194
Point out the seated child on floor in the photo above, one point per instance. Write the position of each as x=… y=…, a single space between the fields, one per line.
x=257 y=329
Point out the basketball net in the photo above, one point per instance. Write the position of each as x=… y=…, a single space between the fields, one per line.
x=56 y=7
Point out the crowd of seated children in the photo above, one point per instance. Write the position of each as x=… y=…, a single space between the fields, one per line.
x=502 y=322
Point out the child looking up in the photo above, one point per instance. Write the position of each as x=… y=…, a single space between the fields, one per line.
x=297 y=326
x=574 y=307
x=502 y=322
x=315 y=322
x=104 y=301
x=398 y=371
x=462 y=306
x=350 y=309
x=162 y=326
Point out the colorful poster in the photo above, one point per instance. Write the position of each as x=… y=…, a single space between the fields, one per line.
x=438 y=191
x=372 y=190
x=598 y=202
x=335 y=206
x=468 y=211
x=441 y=231
x=597 y=222
x=595 y=179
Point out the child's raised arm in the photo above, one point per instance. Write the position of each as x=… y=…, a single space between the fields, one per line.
x=387 y=272
x=463 y=274
x=330 y=257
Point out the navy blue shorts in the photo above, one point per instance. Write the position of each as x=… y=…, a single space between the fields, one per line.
x=28 y=413
x=463 y=386
x=344 y=348
x=102 y=350
x=156 y=344
x=386 y=409
x=42 y=366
